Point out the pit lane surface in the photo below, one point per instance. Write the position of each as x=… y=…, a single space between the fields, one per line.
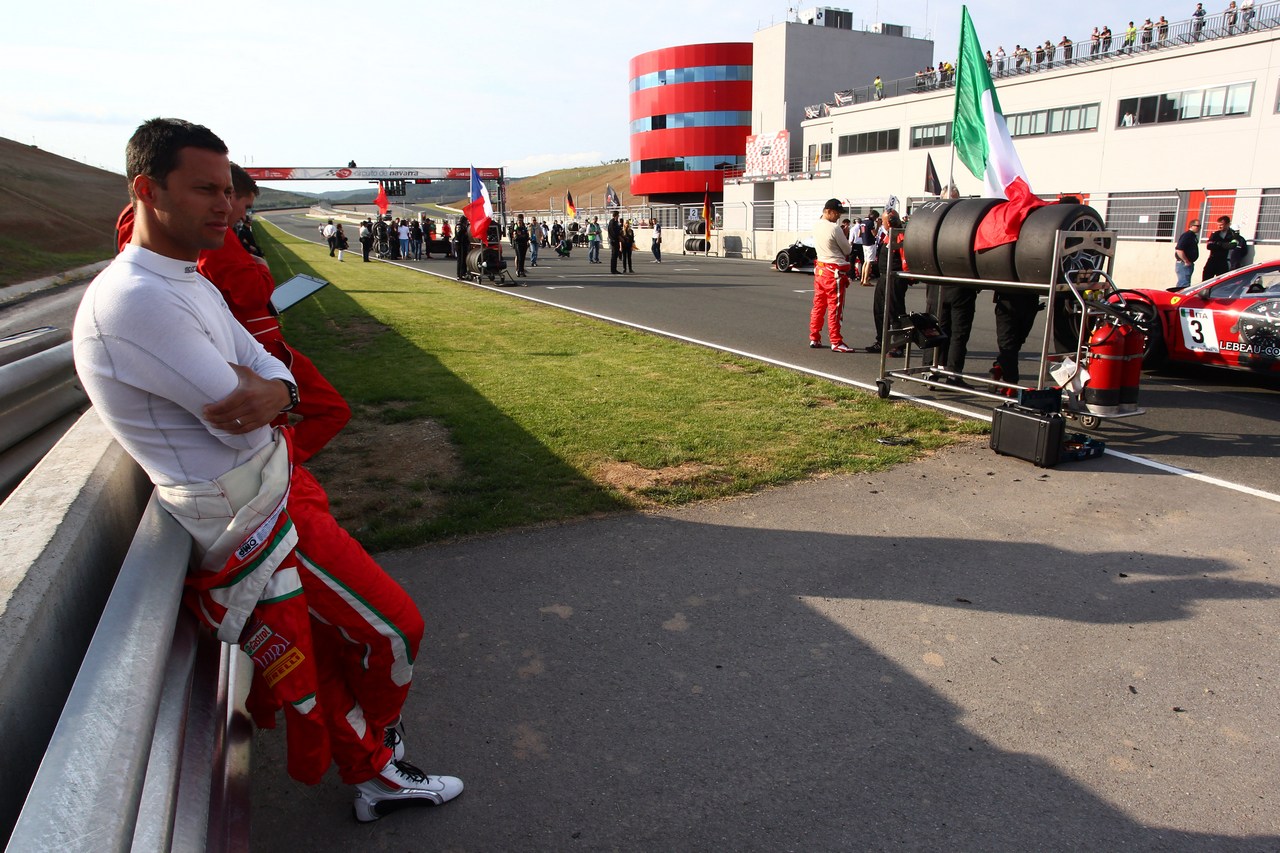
x=1214 y=423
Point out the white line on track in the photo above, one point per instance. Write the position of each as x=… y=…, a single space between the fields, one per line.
x=933 y=404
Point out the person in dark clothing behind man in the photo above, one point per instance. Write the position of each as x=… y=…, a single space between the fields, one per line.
x=615 y=242
x=462 y=236
x=1185 y=253
x=520 y=237
x=366 y=239
x=959 y=303
x=1222 y=245
x=890 y=259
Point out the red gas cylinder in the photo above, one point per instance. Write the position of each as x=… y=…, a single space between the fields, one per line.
x=1108 y=346
x=1131 y=376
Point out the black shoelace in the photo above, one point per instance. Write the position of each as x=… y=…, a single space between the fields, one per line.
x=410 y=772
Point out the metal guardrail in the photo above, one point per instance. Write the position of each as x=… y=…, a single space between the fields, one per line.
x=40 y=398
x=155 y=702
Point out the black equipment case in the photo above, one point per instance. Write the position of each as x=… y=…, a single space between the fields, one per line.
x=1027 y=434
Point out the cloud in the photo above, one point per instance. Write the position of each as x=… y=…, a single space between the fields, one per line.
x=533 y=164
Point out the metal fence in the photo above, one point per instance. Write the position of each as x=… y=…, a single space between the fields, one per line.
x=1083 y=51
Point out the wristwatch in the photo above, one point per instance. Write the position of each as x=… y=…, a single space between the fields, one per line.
x=293 y=395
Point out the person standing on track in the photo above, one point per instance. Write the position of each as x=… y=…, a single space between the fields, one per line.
x=830 y=276
x=462 y=236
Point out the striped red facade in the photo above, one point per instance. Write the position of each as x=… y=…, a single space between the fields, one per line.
x=716 y=144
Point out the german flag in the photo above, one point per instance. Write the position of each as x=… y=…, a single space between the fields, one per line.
x=570 y=209
x=706 y=207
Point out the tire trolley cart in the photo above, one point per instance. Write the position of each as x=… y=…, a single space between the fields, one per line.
x=1091 y=352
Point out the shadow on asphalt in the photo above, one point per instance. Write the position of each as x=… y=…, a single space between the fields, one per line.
x=647 y=683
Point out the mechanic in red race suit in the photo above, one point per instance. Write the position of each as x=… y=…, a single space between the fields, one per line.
x=830 y=276
x=192 y=397
x=246 y=284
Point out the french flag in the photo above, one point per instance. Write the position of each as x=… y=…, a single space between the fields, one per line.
x=480 y=210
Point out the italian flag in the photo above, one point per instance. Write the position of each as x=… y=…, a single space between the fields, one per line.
x=982 y=143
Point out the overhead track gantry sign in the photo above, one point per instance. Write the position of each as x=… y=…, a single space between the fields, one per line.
x=345 y=173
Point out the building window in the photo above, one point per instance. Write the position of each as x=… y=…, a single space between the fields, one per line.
x=931 y=135
x=826 y=152
x=699 y=74
x=1233 y=99
x=687 y=164
x=869 y=143
x=1268 y=230
x=1058 y=120
x=708 y=118
x=1143 y=216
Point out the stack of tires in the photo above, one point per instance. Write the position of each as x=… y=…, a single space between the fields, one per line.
x=695 y=244
x=939 y=241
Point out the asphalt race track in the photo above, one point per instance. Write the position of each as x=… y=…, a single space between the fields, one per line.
x=1213 y=423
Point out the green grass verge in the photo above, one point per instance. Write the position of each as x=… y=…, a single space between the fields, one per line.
x=21 y=262
x=545 y=407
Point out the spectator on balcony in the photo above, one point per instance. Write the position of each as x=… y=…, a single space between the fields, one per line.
x=878 y=86
x=1017 y=59
x=1148 y=30
x=1068 y=48
x=1197 y=22
x=1000 y=61
x=1039 y=56
x=1162 y=30
x=1106 y=39
x=1095 y=43
x=919 y=81
x=990 y=61
x=1130 y=38
x=1246 y=15
x=1229 y=17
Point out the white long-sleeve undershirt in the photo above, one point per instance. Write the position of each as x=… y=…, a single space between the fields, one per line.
x=154 y=342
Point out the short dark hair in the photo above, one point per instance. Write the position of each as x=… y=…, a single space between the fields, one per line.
x=242 y=182
x=153 y=148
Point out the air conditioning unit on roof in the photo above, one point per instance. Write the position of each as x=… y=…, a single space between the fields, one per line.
x=892 y=30
x=825 y=16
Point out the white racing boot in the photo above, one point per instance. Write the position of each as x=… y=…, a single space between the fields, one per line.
x=401 y=785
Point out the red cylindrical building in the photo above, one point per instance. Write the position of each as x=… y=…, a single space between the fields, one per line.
x=690 y=118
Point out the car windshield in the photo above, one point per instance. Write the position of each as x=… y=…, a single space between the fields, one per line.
x=1264 y=282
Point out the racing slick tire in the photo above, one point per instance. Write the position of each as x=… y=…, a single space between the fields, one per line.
x=921 y=243
x=955 y=236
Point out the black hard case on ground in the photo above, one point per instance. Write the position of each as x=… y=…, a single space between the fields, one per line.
x=1027 y=434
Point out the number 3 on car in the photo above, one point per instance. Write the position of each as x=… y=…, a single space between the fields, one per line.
x=1198 y=332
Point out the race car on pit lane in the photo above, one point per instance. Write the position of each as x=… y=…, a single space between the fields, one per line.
x=798 y=256
x=1231 y=321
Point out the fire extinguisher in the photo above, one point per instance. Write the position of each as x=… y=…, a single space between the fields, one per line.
x=1108 y=347
x=1135 y=350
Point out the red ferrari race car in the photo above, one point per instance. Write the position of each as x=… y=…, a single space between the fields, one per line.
x=1230 y=321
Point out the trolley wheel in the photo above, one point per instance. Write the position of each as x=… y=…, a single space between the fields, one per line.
x=1090 y=421
x=882 y=388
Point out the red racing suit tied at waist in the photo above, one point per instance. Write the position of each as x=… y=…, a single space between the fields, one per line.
x=247 y=589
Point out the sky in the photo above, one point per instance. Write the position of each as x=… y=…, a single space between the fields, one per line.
x=526 y=86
